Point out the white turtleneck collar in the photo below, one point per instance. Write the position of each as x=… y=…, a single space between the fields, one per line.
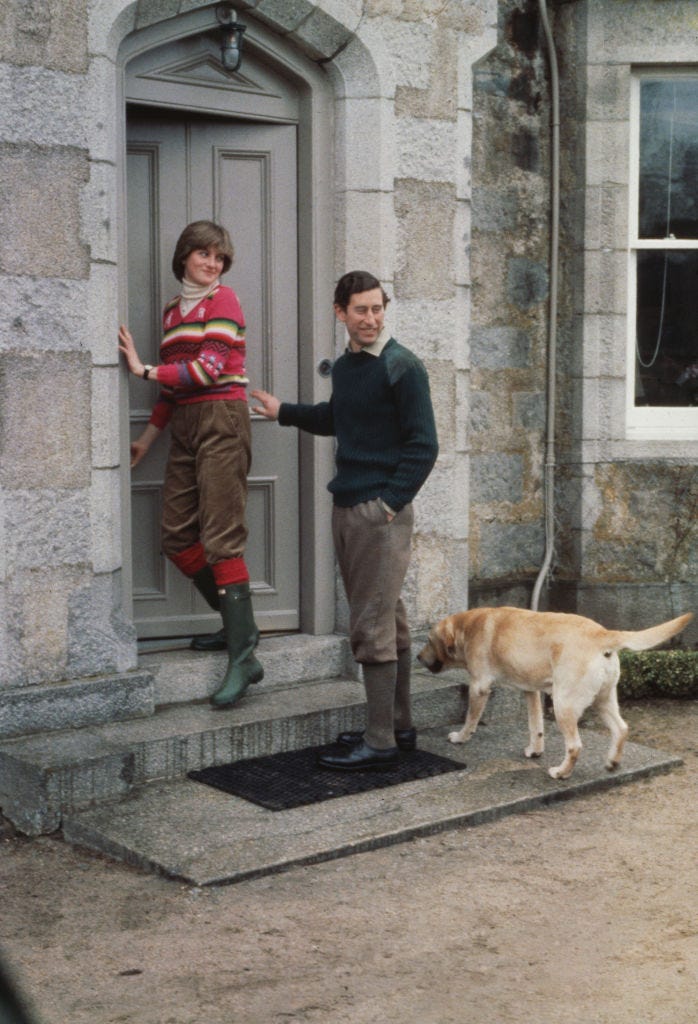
x=192 y=293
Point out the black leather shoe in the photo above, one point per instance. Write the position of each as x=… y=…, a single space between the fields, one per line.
x=209 y=642
x=359 y=756
x=406 y=739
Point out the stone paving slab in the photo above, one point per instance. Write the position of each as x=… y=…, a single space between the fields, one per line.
x=189 y=831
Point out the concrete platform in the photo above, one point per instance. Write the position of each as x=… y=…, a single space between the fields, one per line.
x=188 y=831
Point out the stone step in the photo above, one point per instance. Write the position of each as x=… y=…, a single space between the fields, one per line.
x=168 y=673
x=189 y=831
x=43 y=777
x=181 y=675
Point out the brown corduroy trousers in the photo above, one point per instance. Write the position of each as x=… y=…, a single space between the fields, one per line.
x=205 y=493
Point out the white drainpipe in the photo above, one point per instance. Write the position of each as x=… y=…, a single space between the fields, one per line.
x=549 y=473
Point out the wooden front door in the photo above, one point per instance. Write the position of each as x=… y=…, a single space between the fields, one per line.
x=182 y=168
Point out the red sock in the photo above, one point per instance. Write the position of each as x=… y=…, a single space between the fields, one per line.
x=191 y=560
x=232 y=570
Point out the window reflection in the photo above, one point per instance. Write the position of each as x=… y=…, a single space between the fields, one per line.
x=667 y=328
x=666 y=366
x=668 y=159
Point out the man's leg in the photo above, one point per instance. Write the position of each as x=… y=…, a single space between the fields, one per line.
x=373 y=556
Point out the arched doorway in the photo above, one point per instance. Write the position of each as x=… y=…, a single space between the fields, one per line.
x=202 y=142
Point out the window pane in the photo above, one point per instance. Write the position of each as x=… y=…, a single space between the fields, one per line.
x=668 y=158
x=666 y=363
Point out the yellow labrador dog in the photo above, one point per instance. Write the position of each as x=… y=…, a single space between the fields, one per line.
x=569 y=656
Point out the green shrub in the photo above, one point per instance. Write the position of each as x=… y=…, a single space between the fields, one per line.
x=669 y=673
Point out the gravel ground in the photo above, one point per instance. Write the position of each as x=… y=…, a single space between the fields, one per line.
x=585 y=910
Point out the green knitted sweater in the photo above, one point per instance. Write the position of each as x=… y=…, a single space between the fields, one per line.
x=381 y=414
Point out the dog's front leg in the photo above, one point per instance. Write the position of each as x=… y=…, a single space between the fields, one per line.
x=477 y=700
x=535 y=724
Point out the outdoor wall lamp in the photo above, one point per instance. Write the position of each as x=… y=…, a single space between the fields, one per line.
x=231 y=47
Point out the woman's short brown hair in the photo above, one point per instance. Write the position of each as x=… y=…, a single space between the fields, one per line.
x=202 y=234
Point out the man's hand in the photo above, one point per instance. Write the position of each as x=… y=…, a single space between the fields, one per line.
x=269 y=407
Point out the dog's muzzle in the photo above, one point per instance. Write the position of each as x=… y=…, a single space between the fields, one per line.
x=434 y=666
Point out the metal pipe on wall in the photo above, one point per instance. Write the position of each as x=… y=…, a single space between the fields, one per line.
x=549 y=469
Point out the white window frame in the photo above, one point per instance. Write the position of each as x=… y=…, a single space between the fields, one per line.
x=649 y=422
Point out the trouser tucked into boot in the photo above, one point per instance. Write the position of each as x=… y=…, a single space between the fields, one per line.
x=242 y=637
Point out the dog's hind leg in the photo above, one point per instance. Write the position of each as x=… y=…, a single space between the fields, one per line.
x=567 y=719
x=477 y=701
x=607 y=707
x=535 y=724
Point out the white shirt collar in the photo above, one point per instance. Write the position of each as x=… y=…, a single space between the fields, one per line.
x=376 y=347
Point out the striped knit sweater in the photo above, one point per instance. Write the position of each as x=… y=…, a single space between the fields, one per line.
x=382 y=417
x=202 y=355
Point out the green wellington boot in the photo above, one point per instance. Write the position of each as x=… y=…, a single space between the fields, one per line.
x=206 y=585
x=242 y=636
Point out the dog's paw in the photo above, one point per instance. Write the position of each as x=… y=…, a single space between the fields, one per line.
x=456 y=737
x=612 y=766
x=533 y=751
x=559 y=773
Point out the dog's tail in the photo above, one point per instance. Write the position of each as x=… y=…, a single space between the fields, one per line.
x=644 y=639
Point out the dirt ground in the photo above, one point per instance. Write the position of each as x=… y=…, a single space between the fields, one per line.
x=586 y=911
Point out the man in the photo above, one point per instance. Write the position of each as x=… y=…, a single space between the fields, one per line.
x=381 y=414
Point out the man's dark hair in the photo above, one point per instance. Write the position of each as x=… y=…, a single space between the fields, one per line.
x=354 y=282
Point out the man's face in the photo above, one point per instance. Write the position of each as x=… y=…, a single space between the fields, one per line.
x=363 y=318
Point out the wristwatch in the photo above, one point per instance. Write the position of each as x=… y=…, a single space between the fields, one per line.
x=146 y=371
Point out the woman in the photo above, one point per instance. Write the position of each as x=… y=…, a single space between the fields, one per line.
x=203 y=398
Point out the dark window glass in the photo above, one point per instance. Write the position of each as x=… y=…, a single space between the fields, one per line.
x=667 y=328
x=669 y=158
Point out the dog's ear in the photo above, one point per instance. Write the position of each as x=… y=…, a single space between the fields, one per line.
x=448 y=638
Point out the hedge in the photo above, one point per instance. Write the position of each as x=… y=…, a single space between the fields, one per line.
x=668 y=673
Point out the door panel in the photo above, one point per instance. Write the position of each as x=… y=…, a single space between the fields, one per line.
x=242 y=176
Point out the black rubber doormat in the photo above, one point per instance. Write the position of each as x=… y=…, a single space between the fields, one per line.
x=294 y=779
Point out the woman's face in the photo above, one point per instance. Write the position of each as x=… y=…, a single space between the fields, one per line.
x=204 y=266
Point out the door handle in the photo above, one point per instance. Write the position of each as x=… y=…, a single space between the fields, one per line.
x=324 y=367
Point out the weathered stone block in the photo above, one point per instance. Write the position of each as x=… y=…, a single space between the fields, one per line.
x=76 y=704
x=100 y=638
x=608 y=95
x=496 y=477
x=106 y=425
x=529 y=410
x=41 y=107
x=527 y=282
x=607 y=153
x=40 y=211
x=509 y=549
x=425 y=211
x=149 y=12
x=325 y=32
x=43 y=315
x=99 y=212
x=428 y=328
x=498 y=348
x=52 y=35
x=45 y=424
x=46 y=528
x=102 y=306
x=357 y=121
x=375 y=249
x=422 y=145
x=439 y=98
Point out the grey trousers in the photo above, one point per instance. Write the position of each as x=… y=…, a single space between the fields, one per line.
x=373 y=557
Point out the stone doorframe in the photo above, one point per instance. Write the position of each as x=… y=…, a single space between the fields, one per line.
x=340 y=83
